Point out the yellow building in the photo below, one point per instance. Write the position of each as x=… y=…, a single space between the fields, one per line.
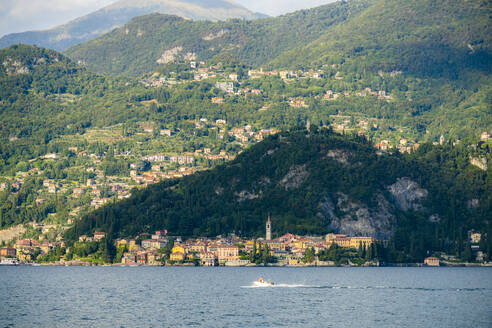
x=302 y=244
x=249 y=246
x=131 y=245
x=342 y=241
x=274 y=245
x=122 y=242
x=178 y=249
x=178 y=253
x=294 y=261
x=177 y=257
x=365 y=241
x=24 y=256
x=152 y=258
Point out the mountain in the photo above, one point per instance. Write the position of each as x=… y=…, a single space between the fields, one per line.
x=422 y=37
x=112 y=16
x=430 y=38
x=433 y=57
x=137 y=47
x=312 y=183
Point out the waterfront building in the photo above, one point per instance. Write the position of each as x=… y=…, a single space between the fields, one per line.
x=227 y=253
x=128 y=258
x=208 y=259
x=366 y=242
x=431 y=261
x=7 y=252
x=178 y=253
x=177 y=257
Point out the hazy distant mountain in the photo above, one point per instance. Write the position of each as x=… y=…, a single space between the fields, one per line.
x=92 y=25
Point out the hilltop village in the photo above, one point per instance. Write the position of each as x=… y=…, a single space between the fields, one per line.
x=160 y=249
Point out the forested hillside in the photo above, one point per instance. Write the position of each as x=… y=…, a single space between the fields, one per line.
x=432 y=57
x=426 y=38
x=136 y=47
x=315 y=182
x=64 y=126
x=44 y=95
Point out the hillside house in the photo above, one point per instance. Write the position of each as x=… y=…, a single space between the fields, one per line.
x=217 y=100
x=225 y=86
x=165 y=132
x=99 y=235
x=297 y=103
x=40 y=201
x=158 y=243
x=475 y=237
x=85 y=238
x=77 y=192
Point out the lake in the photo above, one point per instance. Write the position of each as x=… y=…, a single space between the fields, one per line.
x=225 y=297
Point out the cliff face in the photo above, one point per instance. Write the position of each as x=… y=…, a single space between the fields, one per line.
x=377 y=219
x=407 y=194
x=480 y=162
x=348 y=216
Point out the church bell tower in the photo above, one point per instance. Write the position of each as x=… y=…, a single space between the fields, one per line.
x=269 y=229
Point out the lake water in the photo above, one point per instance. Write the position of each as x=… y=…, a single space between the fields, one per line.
x=224 y=297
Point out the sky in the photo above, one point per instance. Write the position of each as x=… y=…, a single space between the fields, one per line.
x=278 y=7
x=28 y=15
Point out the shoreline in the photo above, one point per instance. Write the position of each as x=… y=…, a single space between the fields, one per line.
x=386 y=265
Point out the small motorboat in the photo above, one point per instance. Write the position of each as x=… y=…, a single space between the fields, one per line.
x=263 y=283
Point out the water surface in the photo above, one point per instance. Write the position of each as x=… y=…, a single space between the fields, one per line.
x=225 y=297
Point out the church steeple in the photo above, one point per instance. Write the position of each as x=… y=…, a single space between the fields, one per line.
x=268 y=229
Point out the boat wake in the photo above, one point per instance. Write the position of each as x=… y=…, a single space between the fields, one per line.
x=255 y=284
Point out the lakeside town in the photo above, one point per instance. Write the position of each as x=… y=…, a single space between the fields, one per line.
x=159 y=249
x=82 y=172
